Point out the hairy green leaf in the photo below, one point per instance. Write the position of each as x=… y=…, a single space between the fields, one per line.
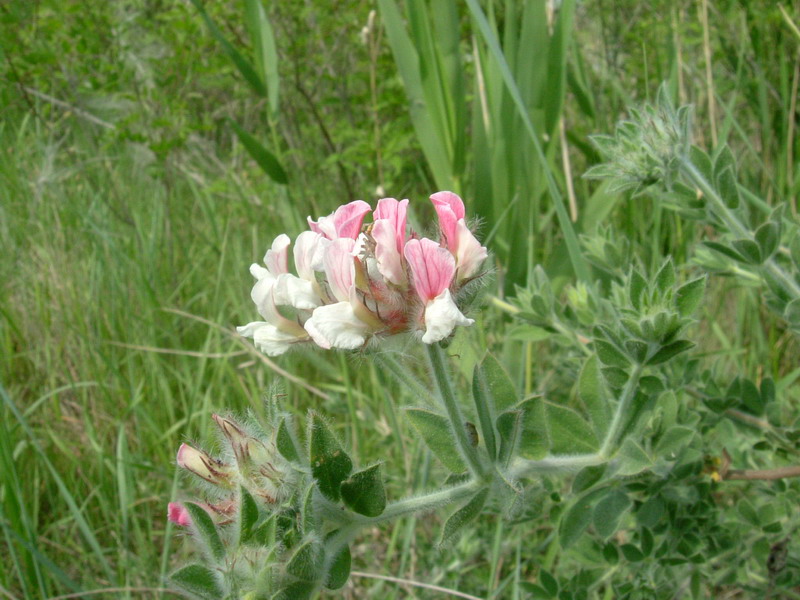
x=363 y=491
x=330 y=464
x=199 y=581
x=435 y=430
x=464 y=515
x=207 y=533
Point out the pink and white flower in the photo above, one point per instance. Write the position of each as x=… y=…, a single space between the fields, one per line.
x=357 y=282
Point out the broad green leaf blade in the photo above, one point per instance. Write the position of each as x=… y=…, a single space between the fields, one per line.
x=576 y=518
x=608 y=512
x=464 y=515
x=241 y=63
x=299 y=590
x=595 y=397
x=330 y=464
x=673 y=441
x=207 y=534
x=534 y=439
x=632 y=459
x=569 y=432
x=435 y=430
x=363 y=492
x=248 y=515
x=768 y=238
x=307 y=561
x=665 y=278
x=199 y=581
x=509 y=426
x=499 y=384
x=265 y=159
x=339 y=571
x=689 y=296
x=587 y=478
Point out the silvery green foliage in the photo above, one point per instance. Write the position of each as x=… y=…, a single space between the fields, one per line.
x=652 y=153
x=645 y=148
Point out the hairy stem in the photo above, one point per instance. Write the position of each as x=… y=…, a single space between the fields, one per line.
x=440 y=375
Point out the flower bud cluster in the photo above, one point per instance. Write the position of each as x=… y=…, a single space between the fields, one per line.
x=255 y=465
x=355 y=282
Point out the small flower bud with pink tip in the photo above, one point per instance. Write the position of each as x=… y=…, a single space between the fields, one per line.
x=178 y=514
x=204 y=466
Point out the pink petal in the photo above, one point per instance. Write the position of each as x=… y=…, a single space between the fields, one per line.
x=339 y=267
x=395 y=213
x=178 y=514
x=432 y=267
x=449 y=208
x=348 y=218
x=469 y=252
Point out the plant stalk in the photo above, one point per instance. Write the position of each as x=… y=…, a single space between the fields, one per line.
x=440 y=375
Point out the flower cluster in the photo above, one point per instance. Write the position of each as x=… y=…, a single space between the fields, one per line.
x=354 y=282
x=255 y=464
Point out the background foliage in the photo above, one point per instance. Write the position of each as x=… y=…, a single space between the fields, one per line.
x=129 y=211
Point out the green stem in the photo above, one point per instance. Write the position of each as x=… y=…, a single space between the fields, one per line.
x=522 y=467
x=440 y=375
x=614 y=430
x=735 y=226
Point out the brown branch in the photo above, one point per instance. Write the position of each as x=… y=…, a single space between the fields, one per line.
x=725 y=473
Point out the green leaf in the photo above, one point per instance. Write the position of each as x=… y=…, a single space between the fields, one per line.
x=482 y=397
x=593 y=394
x=723 y=161
x=749 y=251
x=363 y=492
x=285 y=442
x=339 y=571
x=669 y=351
x=608 y=512
x=207 y=533
x=726 y=251
x=689 y=296
x=549 y=583
x=576 y=519
x=248 y=515
x=307 y=561
x=587 y=477
x=768 y=238
x=637 y=285
x=673 y=441
x=632 y=459
x=650 y=513
x=610 y=355
x=665 y=278
x=435 y=430
x=631 y=552
x=298 y=590
x=464 y=515
x=265 y=159
x=569 y=433
x=330 y=464
x=499 y=384
x=636 y=350
x=703 y=163
x=615 y=376
x=509 y=425
x=534 y=441
x=728 y=188
x=198 y=580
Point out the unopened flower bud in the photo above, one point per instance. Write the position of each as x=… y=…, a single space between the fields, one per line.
x=178 y=514
x=204 y=466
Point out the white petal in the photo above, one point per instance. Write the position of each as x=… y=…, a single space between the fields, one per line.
x=336 y=326
x=272 y=341
x=262 y=295
x=470 y=254
x=259 y=272
x=309 y=251
x=293 y=291
x=441 y=317
x=249 y=329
